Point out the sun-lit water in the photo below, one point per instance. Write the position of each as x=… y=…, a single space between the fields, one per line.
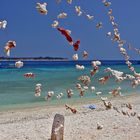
x=16 y=90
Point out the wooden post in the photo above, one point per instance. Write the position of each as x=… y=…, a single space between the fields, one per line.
x=58 y=127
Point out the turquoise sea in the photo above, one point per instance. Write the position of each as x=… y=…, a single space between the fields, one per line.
x=18 y=91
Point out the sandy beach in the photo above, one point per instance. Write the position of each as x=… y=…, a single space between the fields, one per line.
x=36 y=123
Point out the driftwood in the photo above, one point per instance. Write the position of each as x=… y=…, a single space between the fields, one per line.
x=58 y=127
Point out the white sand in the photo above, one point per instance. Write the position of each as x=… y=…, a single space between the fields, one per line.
x=36 y=123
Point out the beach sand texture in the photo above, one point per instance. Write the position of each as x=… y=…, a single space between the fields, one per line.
x=36 y=123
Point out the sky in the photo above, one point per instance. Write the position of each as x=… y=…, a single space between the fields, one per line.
x=35 y=37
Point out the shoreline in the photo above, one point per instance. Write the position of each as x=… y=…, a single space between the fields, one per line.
x=36 y=123
x=79 y=102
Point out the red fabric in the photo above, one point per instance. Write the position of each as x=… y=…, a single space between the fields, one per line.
x=69 y=38
x=76 y=45
x=29 y=75
x=66 y=34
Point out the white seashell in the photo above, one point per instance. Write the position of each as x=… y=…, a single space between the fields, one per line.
x=98 y=93
x=109 y=34
x=62 y=15
x=37 y=95
x=80 y=67
x=104 y=98
x=55 y=24
x=75 y=56
x=18 y=64
x=85 y=87
x=92 y=88
x=78 y=10
x=99 y=126
x=38 y=85
x=90 y=17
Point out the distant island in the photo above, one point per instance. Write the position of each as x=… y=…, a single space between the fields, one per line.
x=33 y=58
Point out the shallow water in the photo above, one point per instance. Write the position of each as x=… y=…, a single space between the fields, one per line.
x=18 y=91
